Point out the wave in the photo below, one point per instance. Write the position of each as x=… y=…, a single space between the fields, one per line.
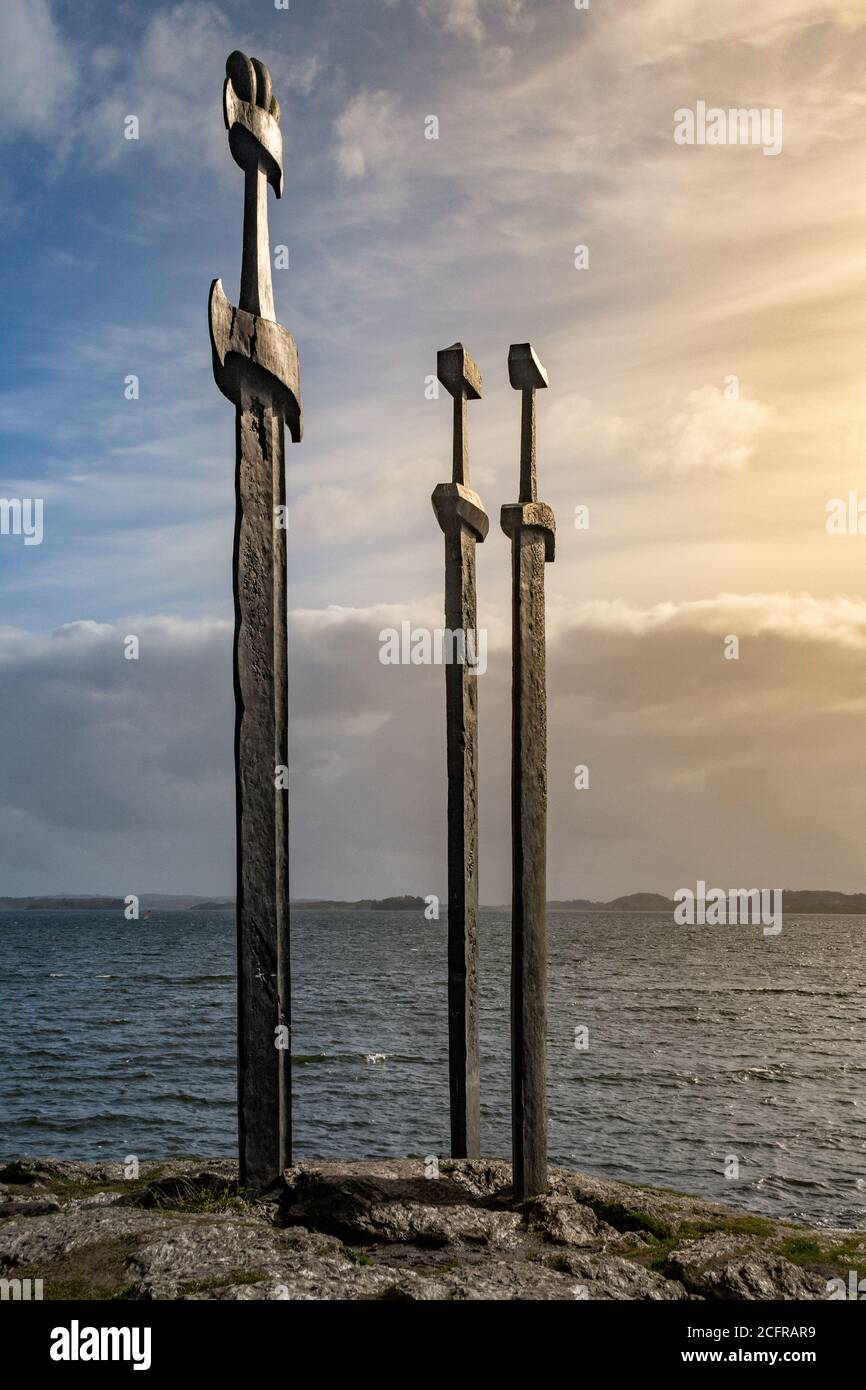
x=310 y=1059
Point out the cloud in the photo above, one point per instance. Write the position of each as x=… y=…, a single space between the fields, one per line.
x=710 y=434
x=118 y=775
x=466 y=18
x=799 y=618
x=733 y=770
x=702 y=263
x=368 y=134
x=37 y=72
x=177 y=101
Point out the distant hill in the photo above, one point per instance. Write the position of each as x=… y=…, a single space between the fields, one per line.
x=632 y=902
x=823 y=901
x=802 y=902
x=826 y=902
x=94 y=902
x=61 y=904
x=401 y=904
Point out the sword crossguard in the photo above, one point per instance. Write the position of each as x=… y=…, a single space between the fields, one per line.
x=537 y=516
x=246 y=348
x=456 y=505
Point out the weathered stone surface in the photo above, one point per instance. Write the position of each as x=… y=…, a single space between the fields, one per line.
x=40 y=1242
x=642 y=1209
x=723 y=1266
x=399 y=1208
x=381 y=1230
x=613 y=1277
x=231 y=1253
x=563 y=1222
x=256 y=366
x=464 y=522
x=246 y=348
x=22 y=1173
x=531 y=549
x=28 y=1206
x=165 y=1192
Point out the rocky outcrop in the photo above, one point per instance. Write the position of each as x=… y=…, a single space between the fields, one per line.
x=382 y=1230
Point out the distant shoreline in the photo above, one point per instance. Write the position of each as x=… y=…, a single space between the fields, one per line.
x=795 y=902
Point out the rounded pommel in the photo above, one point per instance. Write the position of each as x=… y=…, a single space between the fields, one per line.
x=524 y=369
x=517 y=517
x=252 y=117
x=456 y=505
x=458 y=373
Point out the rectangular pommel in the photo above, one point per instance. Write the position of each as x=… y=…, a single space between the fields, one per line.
x=458 y=373
x=524 y=369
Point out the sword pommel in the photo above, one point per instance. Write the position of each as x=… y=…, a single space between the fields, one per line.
x=525 y=370
x=252 y=117
x=458 y=373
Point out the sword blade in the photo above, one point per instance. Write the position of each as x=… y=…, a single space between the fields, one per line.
x=261 y=746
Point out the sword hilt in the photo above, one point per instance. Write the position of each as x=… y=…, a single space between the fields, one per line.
x=252 y=117
x=528 y=453
x=527 y=375
x=461 y=377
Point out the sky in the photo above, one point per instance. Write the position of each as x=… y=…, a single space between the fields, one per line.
x=705 y=406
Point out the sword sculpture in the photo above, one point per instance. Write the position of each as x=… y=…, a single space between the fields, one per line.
x=464 y=521
x=255 y=364
x=531 y=526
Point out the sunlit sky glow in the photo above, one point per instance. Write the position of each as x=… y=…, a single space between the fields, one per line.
x=707 y=515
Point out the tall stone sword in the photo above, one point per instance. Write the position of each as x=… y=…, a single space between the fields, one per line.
x=531 y=526
x=464 y=521
x=255 y=364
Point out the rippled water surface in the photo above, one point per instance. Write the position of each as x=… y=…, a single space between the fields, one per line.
x=117 y=1038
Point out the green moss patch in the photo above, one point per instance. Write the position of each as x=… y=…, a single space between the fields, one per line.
x=99 y=1271
x=231 y=1280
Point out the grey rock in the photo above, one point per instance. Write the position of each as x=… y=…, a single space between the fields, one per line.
x=612 y=1277
x=43 y=1241
x=380 y=1230
x=562 y=1221
x=393 y=1205
x=721 y=1266
x=163 y=1192
x=23 y=1206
